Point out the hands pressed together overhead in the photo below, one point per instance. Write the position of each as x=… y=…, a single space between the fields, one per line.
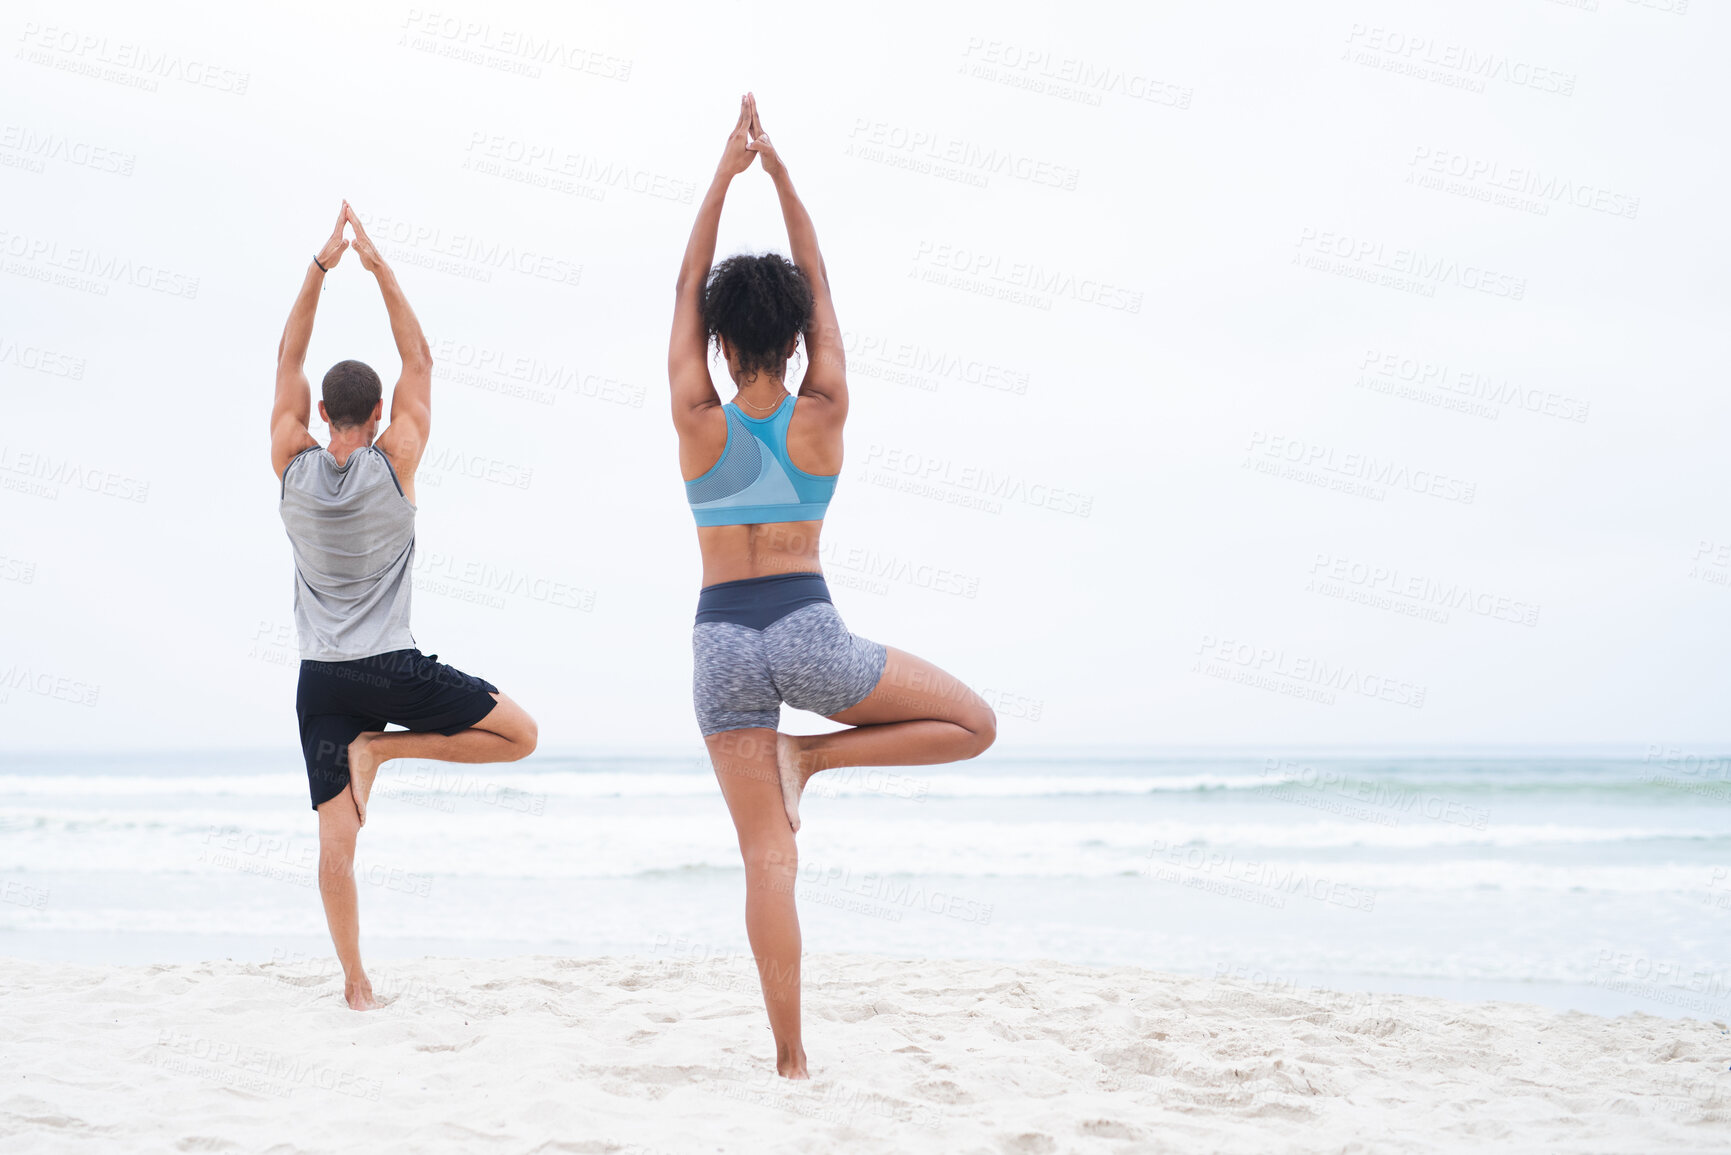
x=748 y=141
x=337 y=245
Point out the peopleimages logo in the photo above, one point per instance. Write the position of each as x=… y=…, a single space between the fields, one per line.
x=479 y=468
x=1690 y=762
x=51 y=471
x=1385 y=583
x=503 y=46
x=40 y=147
x=1071 y=77
x=943 y=477
x=923 y=148
x=1462 y=388
x=1287 y=776
x=1712 y=563
x=40 y=360
x=1405 y=265
x=482 y=255
x=923 y=367
x=1425 y=57
x=1024 y=276
x=48 y=685
x=552 y=161
x=136 y=65
x=1280 y=455
x=1277 y=666
x=108 y=267
x=1522 y=180
x=482 y=577
x=880 y=569
x=1193 y=864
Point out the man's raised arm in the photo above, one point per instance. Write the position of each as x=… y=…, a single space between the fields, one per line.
x=405 y=439
x=291 y=412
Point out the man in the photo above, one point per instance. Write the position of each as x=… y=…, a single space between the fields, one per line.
x=349 y=509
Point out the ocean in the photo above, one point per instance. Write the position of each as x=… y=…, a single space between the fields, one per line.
x=1592 y=884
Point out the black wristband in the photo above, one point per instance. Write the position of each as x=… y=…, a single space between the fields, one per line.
x=320 y=264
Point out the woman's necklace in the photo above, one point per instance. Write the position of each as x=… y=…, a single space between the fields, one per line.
x=762 y=408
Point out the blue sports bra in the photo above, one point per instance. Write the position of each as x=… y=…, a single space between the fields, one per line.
x=754 y=481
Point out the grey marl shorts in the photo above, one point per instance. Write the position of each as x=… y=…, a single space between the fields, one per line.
x=763 y=641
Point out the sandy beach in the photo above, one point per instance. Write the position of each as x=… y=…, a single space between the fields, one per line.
x=648 y=1055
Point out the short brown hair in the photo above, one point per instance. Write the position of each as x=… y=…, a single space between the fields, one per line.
x=351 y=391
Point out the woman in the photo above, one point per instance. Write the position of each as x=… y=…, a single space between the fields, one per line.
x=759 y=472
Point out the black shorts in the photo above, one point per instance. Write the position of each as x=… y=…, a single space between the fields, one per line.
x=339 y=701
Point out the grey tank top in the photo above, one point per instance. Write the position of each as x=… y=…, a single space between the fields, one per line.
x=353 y=533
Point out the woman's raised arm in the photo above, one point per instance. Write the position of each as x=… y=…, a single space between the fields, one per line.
x=826 y=374
x=688 y=349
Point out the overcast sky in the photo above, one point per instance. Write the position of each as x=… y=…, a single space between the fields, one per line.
x=1221 y=375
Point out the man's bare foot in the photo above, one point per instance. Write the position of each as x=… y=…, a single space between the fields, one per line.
x=358 y=993
x=792 y=777
x=363 y=768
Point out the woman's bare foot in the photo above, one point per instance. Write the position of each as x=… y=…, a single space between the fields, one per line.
x=363 y=768
x=358 y=993
x=791 y=1064
x=792 y=779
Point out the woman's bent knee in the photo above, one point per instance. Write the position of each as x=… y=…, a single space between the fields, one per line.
x=770 y=860
x=984 y=727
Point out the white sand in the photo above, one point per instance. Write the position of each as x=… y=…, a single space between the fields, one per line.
x=641 y=1055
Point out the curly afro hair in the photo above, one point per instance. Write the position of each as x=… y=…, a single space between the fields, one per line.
x=760 y=303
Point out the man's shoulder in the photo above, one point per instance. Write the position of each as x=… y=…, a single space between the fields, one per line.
x=295 y=463
x=289 y=440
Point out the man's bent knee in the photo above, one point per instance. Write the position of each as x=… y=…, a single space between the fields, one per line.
x=511 y=722
x=529 y=738
x=336 y=863
x=338 y=820
x=523 y=737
